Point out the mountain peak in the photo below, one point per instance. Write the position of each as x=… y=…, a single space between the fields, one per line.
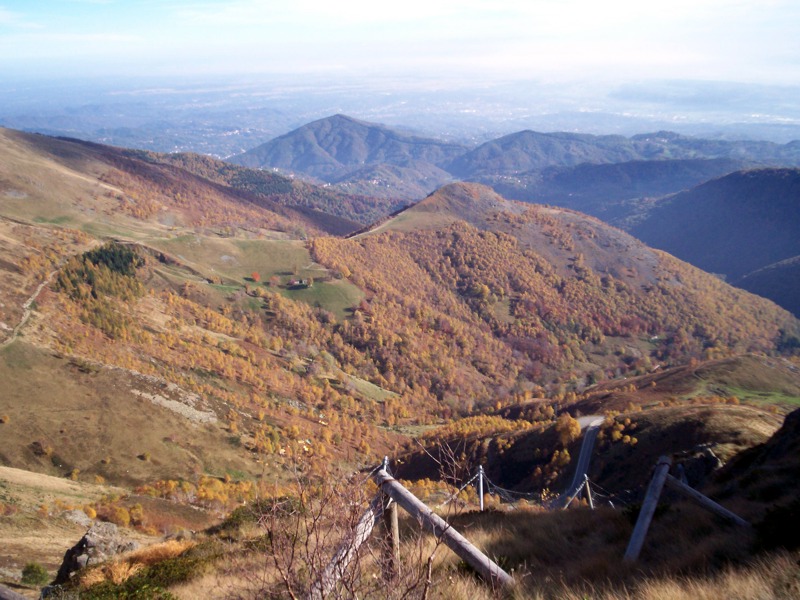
x=330 y=148
x=461 y=198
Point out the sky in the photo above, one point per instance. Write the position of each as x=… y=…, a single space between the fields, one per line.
x=749 y=41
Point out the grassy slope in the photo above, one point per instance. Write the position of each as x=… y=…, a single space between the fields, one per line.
x=235 y=260
x=758 y=380
x=88 y=414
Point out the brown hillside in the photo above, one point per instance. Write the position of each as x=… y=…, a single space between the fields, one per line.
x=93 y=177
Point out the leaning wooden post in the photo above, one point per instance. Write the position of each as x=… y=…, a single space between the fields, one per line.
x=648 y=508
x=705 y=502
x=347 y=551
x=480 y=485
x=487 y=568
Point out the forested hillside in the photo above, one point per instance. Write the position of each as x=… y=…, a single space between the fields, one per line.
x=567 y=297
x=205 y=345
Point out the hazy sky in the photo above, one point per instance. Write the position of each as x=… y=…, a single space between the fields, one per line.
x=734 y=40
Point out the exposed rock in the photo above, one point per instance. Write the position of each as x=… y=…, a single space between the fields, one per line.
x=698 y=464
x=100 y=543
x=7 y=594
x=78 y=517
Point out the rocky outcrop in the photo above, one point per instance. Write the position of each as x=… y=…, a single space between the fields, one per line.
x=7 y=594
x=101 y=542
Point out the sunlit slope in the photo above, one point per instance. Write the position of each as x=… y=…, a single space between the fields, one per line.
x=109 y=191
x=532 y=290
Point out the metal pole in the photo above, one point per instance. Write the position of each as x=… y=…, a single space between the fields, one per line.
x=480 y=485
x=648 y=508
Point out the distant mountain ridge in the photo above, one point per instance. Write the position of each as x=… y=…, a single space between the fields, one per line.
x=339 y=149
x=329 y=149
x=608 y=191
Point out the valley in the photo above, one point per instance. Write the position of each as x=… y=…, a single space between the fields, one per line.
x=187 y=345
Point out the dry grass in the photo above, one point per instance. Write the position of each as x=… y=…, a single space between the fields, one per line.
x=127 y=565
x=776 y=578
x=117 y=572
x=158 y=552
x=564 y=555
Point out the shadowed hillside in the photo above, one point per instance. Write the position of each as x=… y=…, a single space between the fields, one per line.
x=731 y=226
x=780 y=282
x=610 y=191
x=299 y=195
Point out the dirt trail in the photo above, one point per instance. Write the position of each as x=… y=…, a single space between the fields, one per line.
x=26 y=309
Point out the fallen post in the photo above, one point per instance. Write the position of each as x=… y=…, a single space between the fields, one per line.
x=487 y=568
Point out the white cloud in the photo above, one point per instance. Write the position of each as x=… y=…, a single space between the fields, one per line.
x=15 y=20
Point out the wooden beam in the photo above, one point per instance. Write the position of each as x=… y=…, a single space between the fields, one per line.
x=487 y=568
x=648 y=508
x=347 y=551
x=705 y=502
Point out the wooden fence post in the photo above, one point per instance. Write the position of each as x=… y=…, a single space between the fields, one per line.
x=648 y=508
x=338 y=564
x=487 y=568
x=571 y=498
x=391 y=562
x=705 y=502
